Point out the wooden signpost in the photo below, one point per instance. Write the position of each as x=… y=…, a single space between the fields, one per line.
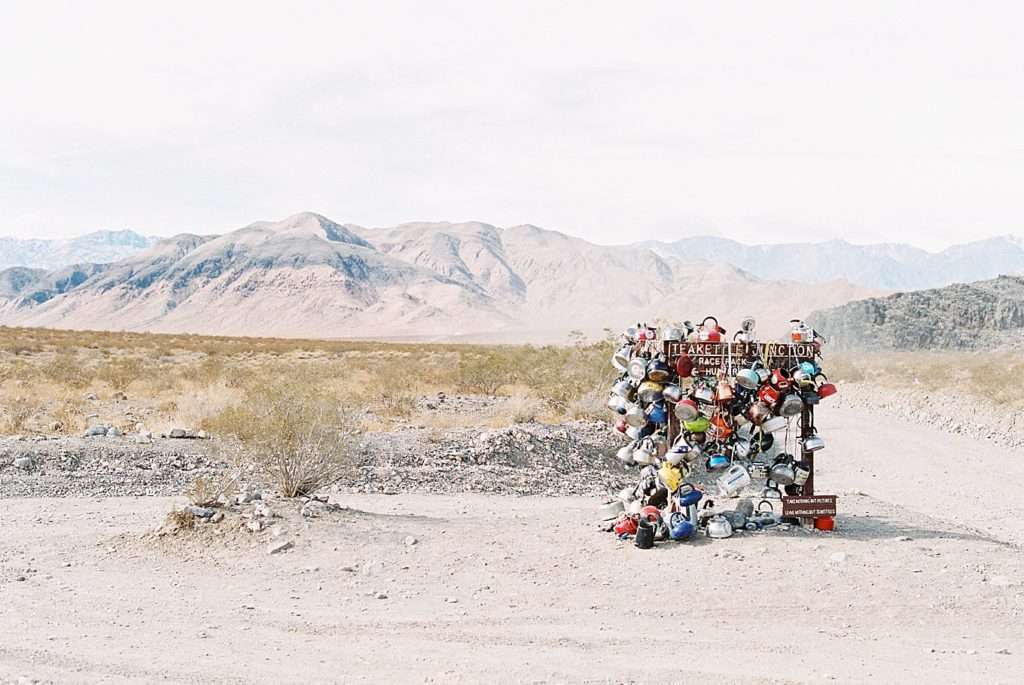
x=714 y=358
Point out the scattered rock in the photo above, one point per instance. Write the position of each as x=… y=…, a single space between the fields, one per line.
x=410 y=540
x=114 y=432
x=278 y=546
x=217 y=517
x=451 y=600
x=178 y=433
x=381 y=595
x=199 y=512
x=120 y=396
x=23 y=463
x=95 y=431
x=90 y=397
x=254 y=525
x=261 y=510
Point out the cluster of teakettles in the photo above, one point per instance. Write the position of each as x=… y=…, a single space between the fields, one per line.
x=738 y=423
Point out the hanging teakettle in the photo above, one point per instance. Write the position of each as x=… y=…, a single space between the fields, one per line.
x=791 y=405
x=781 y=470
x=799 y=332
x=658 y=371
x=709 y=332
x=686 y=410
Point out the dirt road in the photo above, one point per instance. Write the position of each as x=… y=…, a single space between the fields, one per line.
x=920 y=584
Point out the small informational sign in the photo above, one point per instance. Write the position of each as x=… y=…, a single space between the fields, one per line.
x=812 y=506
x=710 y=358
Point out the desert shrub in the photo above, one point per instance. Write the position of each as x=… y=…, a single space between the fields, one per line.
x=119 y=373
x=208 y=490
x=18 y=414
x=299 y=440
x=65 y=368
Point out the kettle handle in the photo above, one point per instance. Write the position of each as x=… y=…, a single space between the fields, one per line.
x=771 y=507
x=705 y=321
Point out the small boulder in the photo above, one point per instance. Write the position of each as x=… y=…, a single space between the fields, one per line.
x=278 y=546
x=95 y=431
x=178 y=433
x=24 y=463
x=120 y=396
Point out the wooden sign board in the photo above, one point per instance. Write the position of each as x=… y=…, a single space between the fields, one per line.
x=711 y=358
x=810 y=506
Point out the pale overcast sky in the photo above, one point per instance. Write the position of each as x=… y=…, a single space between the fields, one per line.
x=613 y=121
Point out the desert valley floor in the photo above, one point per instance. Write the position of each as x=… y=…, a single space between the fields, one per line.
x=920 y=583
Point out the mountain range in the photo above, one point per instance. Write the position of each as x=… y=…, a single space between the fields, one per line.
x=99 y=247
x=885 y=266
x=308 y=276
x=963 y=316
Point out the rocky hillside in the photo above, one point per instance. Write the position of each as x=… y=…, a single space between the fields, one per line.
x=307 y=276
x=983 y=315
x=100 y=247
x=887 y=266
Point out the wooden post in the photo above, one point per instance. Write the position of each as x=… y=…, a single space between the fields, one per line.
x=806 y=431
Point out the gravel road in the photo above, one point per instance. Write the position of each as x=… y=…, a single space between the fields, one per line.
x=921 y=583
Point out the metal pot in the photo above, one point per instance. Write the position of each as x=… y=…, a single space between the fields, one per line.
x=768 y=395
x=709 y=332
x=688 y=495
x=618 y=404
x=791 y=405
x=672 y=393
x=678 y=453
x=697 y=425
x=719 y=527
x=657 y=413
x=723 y=391
x=633 y=432
x=621 y=357
x=741 y=448
x=658 y=371
x=623 y=388
x=625 y=454
x=758 y=413
x=801 y=472
x=637 y=368
x=781 y=471
x=635 y=416
x=644 y=453
x=672 y=334
x=649 y=392
x=704 y=394
x=680 y=527
x=684 y=366
x=686 y=410
x=719 y=428
x=644 y=534
x=826 y=389
x=717 y=462
x=813 y=443
x=748 y=378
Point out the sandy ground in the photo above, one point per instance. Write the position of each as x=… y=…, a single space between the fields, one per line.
x=922 y=583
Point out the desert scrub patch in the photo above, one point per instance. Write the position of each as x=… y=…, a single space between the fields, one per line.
x=299 y=440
